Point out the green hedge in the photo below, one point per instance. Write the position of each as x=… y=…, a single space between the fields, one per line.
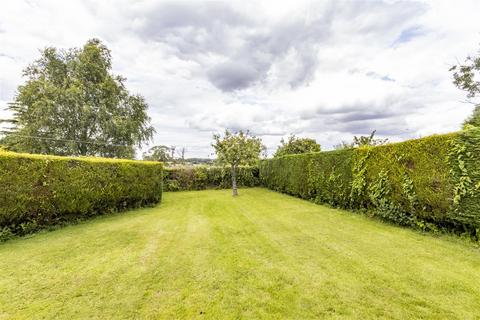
x=465 y=169
x=321 y=176
x=207 y=177
x=408 y=183
x=428 y=183
x=38 y=191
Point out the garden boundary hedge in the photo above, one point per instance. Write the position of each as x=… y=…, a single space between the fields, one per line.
x=37 y=191
x=207 y=177
x=430 y=183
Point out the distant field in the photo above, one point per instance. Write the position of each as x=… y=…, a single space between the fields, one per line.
x=206 y=255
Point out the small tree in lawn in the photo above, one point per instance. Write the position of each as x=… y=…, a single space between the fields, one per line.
x=235 y=149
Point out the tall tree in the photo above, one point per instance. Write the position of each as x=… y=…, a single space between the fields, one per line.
x=235 y=149
x=71 y=104
x=296 y=145
x=467 y=78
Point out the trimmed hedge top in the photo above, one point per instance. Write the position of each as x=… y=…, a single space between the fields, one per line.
x=6 y=153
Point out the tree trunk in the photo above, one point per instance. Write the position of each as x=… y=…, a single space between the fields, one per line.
x=234 y=181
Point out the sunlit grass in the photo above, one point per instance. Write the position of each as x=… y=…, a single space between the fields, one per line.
x=205 y=254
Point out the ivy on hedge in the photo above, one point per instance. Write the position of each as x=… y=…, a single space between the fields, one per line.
x=207 y=177
x=38 y=191
x=430 y=183
x=464 y=159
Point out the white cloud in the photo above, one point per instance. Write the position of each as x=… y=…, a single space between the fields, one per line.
x=327 y=69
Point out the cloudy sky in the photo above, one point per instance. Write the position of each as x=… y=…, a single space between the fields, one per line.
x=322 y=69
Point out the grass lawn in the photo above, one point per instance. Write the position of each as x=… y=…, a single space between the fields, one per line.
x=207 y=255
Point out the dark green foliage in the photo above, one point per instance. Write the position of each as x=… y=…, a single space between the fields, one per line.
x=287 y=174
x=411 y=178
x=330 y=177
x=427 y=183
x=38 y=191
x=72 y=105
x=322 y=176
x=207 y=177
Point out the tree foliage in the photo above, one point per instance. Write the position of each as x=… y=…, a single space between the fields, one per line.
x=296 y=145
x=467 y=78
x=362 y=141
x=158 y=153
x=235 y=149
x=71 y=104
